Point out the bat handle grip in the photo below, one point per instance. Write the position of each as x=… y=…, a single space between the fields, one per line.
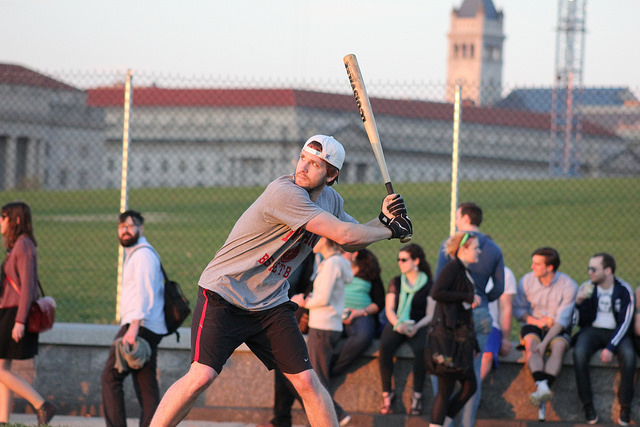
x=390 y=191
x=389 y=187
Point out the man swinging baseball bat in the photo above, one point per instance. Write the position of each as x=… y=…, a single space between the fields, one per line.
x=243 y=292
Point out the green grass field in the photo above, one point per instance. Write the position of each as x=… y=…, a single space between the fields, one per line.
x=78 y=248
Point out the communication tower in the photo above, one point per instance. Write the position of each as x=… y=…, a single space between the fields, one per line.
x=567 y=89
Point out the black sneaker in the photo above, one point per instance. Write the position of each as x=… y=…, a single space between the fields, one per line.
x=590 y=414
x=625 y=416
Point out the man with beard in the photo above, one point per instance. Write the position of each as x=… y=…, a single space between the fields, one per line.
x=243 y=294
x=142 y=326
x=605 y=306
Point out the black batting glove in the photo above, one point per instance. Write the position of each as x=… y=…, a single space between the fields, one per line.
x=401 y=227
x=394 y=208
x=397 y=207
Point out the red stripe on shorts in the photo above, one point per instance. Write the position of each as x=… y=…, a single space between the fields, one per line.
x=196 y=356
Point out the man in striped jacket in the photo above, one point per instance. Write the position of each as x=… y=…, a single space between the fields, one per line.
x=605 y=307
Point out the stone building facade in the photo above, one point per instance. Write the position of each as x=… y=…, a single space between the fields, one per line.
x=49 y=137
x=217 y=137
x=57 y=137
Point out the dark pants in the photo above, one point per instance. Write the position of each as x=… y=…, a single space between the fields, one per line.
x=390 y=340
x=322 y=345
x=589 y=341
x=359 y=335
x=284 y=394
x=446 y=402
x=145 y=384
x=284 y=397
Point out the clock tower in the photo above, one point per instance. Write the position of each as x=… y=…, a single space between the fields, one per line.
x=474 y=57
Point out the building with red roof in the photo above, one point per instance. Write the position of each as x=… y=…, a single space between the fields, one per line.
x=204 y=137
x=55 y=136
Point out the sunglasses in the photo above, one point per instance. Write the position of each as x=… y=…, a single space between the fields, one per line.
x=591 y=269
x=403 y=259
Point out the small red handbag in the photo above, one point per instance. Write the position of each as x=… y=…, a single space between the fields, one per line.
x=42 y=313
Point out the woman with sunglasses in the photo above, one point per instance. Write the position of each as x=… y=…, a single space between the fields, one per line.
x=455 y=297
x=406 y=311
x=18 y=291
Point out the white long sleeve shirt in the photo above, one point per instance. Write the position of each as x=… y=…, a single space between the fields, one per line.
x=143 y=288
x=326 y=303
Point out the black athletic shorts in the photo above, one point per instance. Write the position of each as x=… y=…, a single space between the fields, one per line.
x=219 y=327
x=565 y=334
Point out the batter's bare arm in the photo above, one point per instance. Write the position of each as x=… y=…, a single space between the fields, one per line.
x=347 y=233
x=357 y=236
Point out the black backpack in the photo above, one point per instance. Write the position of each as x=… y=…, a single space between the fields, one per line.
x=176 y=305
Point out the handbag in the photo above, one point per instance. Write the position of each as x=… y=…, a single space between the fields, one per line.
x=42 y=313
x=450 y=351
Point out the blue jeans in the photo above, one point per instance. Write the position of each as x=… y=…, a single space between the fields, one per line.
x=589 y=341
x=359 y=335
x=467 y=417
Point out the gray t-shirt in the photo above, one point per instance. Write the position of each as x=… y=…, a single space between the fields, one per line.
x=267 y=244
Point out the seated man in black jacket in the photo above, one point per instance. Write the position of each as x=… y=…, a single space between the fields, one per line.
x=605 y=307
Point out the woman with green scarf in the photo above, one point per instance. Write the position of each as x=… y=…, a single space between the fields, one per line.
x=406 y=309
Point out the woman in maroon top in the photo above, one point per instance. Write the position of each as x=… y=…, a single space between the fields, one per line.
x=18 y=291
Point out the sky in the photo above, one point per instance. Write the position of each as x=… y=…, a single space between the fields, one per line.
x=286 y=41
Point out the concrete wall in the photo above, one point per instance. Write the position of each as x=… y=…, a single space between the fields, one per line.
x=72 y=356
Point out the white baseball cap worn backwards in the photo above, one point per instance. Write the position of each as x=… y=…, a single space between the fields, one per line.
x=332 y=151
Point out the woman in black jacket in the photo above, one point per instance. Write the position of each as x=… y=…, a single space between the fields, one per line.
x=454 y=294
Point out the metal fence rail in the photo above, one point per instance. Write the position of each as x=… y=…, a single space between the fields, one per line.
x=200 y=152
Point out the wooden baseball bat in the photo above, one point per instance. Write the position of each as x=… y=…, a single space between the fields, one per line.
x=366 y=113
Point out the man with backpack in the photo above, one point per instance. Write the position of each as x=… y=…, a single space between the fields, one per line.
x=142 y=321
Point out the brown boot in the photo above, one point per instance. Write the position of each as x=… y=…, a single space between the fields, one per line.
x=46 y=412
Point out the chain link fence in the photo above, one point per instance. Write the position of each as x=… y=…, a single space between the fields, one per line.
x=201 y=150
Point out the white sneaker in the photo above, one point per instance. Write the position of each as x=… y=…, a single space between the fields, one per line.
x=541 y=395
x=542 y=412
x=346 y=419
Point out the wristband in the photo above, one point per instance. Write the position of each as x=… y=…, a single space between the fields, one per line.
x=383 y=218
